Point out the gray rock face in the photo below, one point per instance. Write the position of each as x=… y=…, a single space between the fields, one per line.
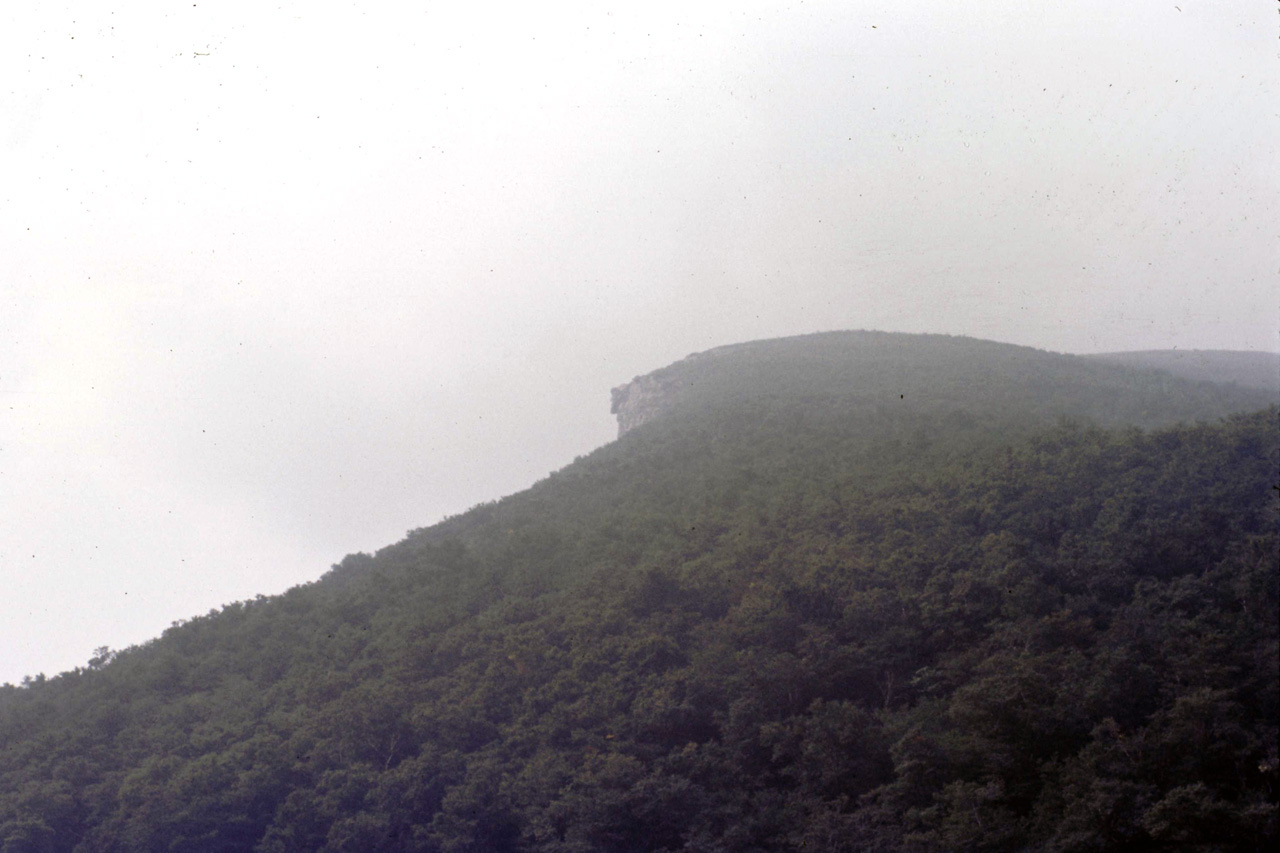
x=646 y=397
x=640 y=400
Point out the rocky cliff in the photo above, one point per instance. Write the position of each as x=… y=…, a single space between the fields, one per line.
x=645 y=397
x=640 y=400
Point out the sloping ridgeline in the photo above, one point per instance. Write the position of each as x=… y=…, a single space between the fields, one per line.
x=842 y=592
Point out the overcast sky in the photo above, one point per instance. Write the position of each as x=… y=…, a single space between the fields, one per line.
x=282 y=281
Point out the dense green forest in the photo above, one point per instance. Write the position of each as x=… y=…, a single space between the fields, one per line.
x=842 y=592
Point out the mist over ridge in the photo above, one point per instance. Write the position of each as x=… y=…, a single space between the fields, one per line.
x=266 y=300
x=842 y=590
x=280 y=282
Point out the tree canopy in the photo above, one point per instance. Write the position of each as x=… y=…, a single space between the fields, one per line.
x=846 y=593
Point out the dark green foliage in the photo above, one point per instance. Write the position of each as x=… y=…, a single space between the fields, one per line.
x=779 y=618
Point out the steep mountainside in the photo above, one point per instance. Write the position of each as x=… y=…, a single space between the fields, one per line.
x=841 y=592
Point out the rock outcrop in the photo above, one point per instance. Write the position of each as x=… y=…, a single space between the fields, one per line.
x=646 y=397
x=640 y=400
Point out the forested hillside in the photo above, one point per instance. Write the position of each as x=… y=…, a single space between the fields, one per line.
x=841 y=592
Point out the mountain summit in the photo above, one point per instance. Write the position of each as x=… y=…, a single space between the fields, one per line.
x=848 y=591
x=881 y=369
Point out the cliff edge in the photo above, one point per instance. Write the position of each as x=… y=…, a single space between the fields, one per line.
x=641 y=400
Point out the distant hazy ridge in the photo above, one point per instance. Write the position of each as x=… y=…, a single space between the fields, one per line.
x=1259 y=370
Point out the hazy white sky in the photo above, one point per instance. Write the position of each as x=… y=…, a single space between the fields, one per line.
x=279 y=282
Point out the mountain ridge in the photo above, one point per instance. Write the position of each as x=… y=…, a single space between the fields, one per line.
x=953 y=599
x=874 y=362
